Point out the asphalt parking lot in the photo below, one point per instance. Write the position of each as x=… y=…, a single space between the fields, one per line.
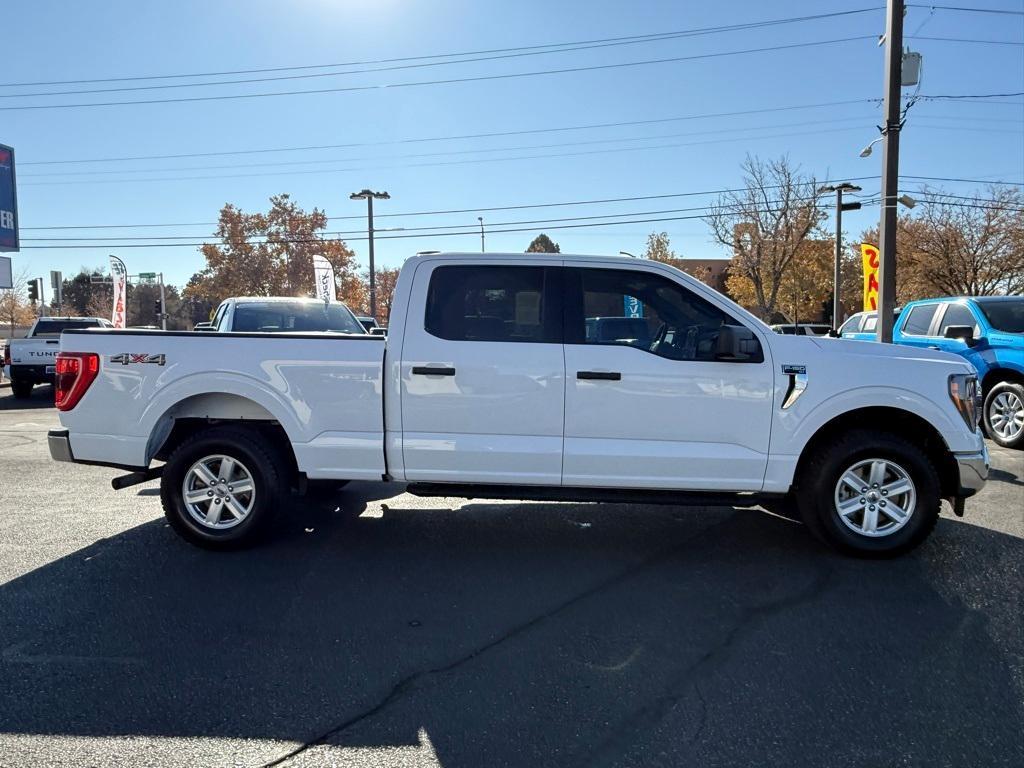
x=386 y=630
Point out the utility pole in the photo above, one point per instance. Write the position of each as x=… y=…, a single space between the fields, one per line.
x=163 y=303
x=840 y=207
x=890 y=169
x=481 y=220
x=369 y=196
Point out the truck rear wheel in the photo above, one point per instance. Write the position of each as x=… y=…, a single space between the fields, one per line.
x=21 y=389
x=1004 y=414
x=870 y=494
x=221 y=488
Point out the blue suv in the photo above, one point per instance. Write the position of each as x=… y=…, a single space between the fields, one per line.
x=986 y=330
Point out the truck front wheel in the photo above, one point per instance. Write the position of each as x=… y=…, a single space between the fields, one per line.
x=221 y=488
x=21 y=389
x=870 y=494
x=1004 y=414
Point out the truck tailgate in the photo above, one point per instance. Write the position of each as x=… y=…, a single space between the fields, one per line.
x=324 y=390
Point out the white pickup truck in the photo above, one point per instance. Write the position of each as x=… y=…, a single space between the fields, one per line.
x=32 y=359
x=489 y=385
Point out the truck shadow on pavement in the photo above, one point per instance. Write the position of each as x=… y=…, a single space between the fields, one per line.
x=530 y=634
x=42 y=397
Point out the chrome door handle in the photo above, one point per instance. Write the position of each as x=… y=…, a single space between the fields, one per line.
x=430 y=370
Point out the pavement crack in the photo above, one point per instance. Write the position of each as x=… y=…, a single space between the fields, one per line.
x=689 y=678
x=409 y=683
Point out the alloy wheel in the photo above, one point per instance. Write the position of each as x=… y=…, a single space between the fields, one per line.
x=218 y=492
x=1006 y=415
x=875 y=497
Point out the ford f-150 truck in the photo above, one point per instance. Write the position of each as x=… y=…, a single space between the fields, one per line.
x=987 y=331
x=32 y=358
x=490 y=386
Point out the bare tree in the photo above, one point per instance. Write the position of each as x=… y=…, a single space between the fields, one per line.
x=15 y=308
x=970 y=246
x=766 y=225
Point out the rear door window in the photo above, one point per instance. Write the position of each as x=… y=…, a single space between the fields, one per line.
x=852 y=325
x=499 y=303
x=919 y=321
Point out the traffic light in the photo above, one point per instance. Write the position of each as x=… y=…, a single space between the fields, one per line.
x=33 y=290
x=158 y=307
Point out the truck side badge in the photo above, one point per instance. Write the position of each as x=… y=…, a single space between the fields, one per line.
x=128 y=358
x=797 y=383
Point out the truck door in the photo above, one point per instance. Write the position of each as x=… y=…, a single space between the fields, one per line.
x=655 y=408
x=915 y=326
x=482 y=375
x=954 y=313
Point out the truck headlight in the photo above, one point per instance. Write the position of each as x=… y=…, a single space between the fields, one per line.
x=963 y=391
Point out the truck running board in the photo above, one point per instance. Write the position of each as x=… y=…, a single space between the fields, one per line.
x=607 y=495
x=135 y=478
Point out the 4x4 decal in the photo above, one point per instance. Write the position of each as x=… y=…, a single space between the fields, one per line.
x=128 y=358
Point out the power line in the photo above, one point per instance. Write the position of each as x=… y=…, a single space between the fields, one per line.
x=510 y=53
x=978 y=202
x=577 y=143
x=623 y=39
x=433 y=164
x=965 y=9
x=432 y=228
x=493 y=134
x=489 y=209
x=972 y=96
x=845 y=120
x=411 y=214
x=449 y=81
x=965 y=181
x=965 y=40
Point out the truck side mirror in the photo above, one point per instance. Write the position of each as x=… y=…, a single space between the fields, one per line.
x=963 y=332
x=738 y=344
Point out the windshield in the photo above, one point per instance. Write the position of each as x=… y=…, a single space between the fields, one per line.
x=295 y=317
x=1006 y=315
x=54 y=328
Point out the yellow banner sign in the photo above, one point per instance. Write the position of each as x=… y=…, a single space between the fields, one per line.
x=869 y=254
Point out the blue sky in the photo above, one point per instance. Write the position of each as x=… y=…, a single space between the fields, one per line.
x=56 y=41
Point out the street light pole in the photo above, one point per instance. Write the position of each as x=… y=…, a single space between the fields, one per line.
x=481 y=220
x=890 y=169
x=369 y=197
x=840 y=207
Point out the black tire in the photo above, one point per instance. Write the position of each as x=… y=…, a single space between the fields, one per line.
x=820 y=476
x=268 y=472
x=1014 y=393
x=22 y=390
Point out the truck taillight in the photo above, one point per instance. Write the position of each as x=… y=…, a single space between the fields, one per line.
x=7 y=354
x=75 y=372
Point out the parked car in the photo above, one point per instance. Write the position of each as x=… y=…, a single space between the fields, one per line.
x=803 y=329
x=862 y=326
x=31 y=359
x=987 y=331
x=367 y=322
x=281 y=314
x=488 y=386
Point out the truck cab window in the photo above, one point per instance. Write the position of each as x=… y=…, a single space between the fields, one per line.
x=643 y=310
x=959 y=314
x=481 y=303
x=920 y=320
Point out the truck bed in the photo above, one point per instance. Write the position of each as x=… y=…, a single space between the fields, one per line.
x=324 y=390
